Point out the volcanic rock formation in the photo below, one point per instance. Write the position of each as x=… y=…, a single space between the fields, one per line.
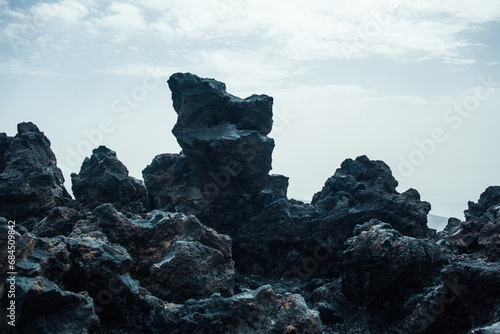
x=479 y=234
x=30 y=182
x=211 y=243
x=104 y=179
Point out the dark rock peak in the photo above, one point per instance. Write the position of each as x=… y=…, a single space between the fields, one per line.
x=359 y=174
x=104 y=159
x=204 y=103
x=104 y=179
x=29 y=142
x=479 y=235
x=488 y=199
x=25 y=127
x=363 y=189
x=31 y=184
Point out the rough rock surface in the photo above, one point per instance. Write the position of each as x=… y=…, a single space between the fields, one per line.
x=31 y=184
x=479 y=234
x=363 y=189
x=221 y=176
x=104 y=179
x=300 y=240
x=226 y=154
x=358 y=259
x=59 y=221
x=381 y=265
x=174 y=256
x=259 y=311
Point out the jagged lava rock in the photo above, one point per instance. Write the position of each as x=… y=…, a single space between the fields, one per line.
x=42 y=303
x=363 y=189
x=226 y=154
x=104 y=179
x=31 y=184
x=204 y=104
x=259 y=311
x=174 y=256
x=59 y=221
x=221 y=135
x=466 y=295
x=381 y=266
x=286 y=234
x=42 y=307
x=479 y=235
x=167 y=182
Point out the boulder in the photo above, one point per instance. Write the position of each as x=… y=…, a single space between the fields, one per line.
x=300 y=240
x=381 y=266
x=42 y=307
x=226 y=154
x=174 y=256
x=258 y=311
x=464 y=298
x=364 y=189
x=59 y=221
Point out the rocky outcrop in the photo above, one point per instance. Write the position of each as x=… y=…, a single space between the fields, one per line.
x=364 y=189
x=302 y=240
x=104 y=179
x=381 y=266
x=221 y=176
x=465 y=296
x=259 y=311
x=81 y=283
x=59 y=221
x=226 y=154
x=31 y=184
x=174 y=256
x=42 y=307
x=213 y=244
x=479 y=234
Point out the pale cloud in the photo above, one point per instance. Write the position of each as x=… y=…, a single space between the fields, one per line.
x=14 y=66
x=491 y=63
x=455 y=61
x=139 y=70
x=245 y=69
x=275 y=38
x=124 y=16
x=69 y=11
x=411 y=100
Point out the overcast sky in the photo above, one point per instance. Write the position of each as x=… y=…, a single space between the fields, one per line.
x=413 y=83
